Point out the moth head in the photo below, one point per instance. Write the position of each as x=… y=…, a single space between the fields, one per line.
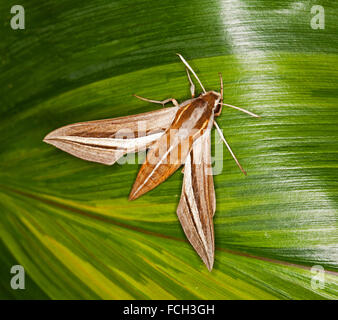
x=217 y=101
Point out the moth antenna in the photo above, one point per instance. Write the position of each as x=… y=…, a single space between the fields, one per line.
x=192 y=71
x=243 y=110
x=225 y=142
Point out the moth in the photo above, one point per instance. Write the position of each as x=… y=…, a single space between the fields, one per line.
x=174 y=136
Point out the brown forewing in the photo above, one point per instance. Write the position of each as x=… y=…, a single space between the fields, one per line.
x=169 y=152
x=100 y=140
x=198 y=203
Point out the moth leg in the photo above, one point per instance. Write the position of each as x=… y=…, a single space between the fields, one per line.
x=163 y=102
x=227 y=145
x=192 y=86
x=192 y=71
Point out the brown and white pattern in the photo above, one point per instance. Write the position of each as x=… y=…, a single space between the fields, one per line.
x=174 y=137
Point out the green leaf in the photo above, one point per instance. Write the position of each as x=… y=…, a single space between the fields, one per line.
x=68 y=221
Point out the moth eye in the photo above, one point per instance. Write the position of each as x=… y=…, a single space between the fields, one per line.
x=217 y=108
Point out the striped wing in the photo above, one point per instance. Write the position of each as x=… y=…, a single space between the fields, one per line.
x=169 y=152
x=198 y=203
x=105 y=141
